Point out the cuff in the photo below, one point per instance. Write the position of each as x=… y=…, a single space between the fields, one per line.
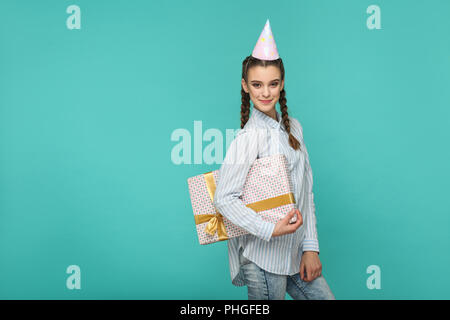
x=310 y=245
x=265 y=230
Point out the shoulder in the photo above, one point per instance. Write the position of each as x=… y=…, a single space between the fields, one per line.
x=250 y=133
x=252 y=128
x=248 y=137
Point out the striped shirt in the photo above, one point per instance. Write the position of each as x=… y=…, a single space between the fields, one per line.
x=262 y=136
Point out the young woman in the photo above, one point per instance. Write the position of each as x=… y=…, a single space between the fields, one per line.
x=273 y=258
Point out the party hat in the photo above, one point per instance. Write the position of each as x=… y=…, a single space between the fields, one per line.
x=265 y=48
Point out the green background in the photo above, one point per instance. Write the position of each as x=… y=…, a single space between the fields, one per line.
x=86 y=116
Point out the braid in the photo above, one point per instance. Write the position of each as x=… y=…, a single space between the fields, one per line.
x=245 y=107
x=284 y=116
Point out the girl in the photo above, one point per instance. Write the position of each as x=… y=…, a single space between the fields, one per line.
x=273 y=258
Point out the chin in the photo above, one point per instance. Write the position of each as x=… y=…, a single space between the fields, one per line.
x=266 y=107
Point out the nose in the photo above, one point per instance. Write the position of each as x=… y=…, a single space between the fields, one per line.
x=266 y=92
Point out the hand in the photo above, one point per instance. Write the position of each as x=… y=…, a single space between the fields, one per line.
x=284 y=227
x=310 y=264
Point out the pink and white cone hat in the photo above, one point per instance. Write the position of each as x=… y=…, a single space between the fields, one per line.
x=265 y=48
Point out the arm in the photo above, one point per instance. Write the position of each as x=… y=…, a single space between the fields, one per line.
x=241 y=154
x=311 y=242
x=310 y=265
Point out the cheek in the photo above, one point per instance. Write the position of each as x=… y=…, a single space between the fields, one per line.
x=276 y=92
x=254 y=93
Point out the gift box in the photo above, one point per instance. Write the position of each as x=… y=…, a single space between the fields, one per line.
x=267 y=190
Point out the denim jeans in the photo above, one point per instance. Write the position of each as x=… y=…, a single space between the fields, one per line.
x=264 y=285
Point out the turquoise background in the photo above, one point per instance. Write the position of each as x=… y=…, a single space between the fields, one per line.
x=86 y=116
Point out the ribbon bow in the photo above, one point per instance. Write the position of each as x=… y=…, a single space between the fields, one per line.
x=215 y=221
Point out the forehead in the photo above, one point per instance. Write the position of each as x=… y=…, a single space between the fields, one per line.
x=264 y=74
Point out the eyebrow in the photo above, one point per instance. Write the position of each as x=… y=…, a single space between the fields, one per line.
x=261 y=81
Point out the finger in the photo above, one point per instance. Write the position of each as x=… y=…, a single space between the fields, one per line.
x=291 y=214
x=287 y=217
x=299 y=218
x=309 y=274
x=293 y=227
x=302 y=272
x=315 y=271
x=297 y=222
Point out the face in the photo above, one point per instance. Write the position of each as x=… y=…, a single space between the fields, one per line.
x=264 y=86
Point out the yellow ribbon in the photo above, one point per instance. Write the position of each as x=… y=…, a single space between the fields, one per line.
x=215 y=221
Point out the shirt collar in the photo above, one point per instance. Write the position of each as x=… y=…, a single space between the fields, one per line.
x=261 y=116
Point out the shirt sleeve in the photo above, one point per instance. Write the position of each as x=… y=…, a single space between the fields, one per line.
x=241 y=154
x=311 y=241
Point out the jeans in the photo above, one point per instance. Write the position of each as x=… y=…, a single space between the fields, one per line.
x=264 y=285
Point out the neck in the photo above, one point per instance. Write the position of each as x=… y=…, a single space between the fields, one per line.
x=271 y=113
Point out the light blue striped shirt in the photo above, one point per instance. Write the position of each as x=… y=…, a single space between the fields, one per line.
x=262 y=136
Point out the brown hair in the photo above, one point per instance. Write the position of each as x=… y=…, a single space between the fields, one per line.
x=249 y=62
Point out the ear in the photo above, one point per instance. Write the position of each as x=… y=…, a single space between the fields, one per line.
x=244 y=85
x=282 y=85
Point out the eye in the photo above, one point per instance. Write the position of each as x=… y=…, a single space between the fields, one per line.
x=274 y=84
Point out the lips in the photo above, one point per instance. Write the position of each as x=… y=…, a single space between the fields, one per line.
x=265 y=101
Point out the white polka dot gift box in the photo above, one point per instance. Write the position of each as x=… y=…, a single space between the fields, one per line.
x=267 y=190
